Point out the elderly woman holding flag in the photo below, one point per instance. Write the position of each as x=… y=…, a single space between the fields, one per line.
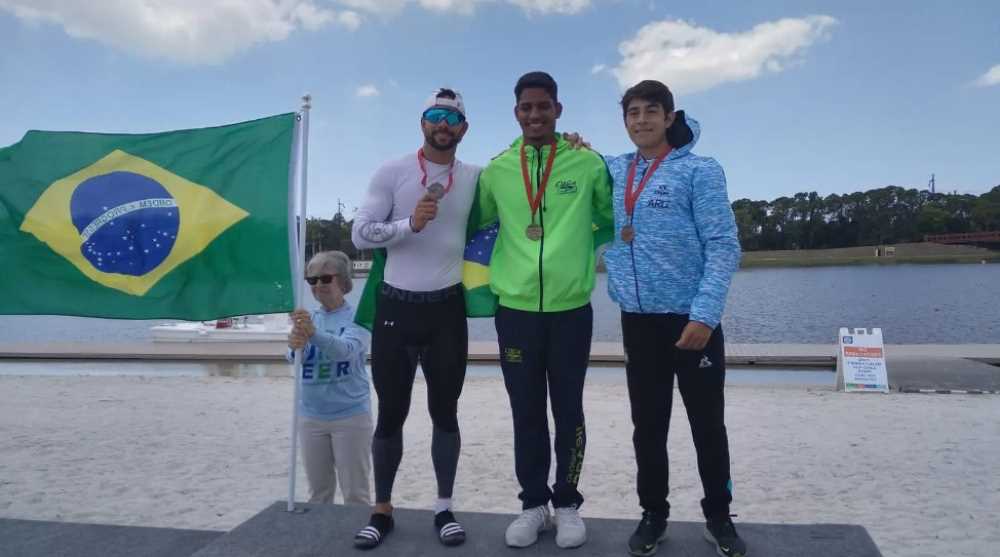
x=335 y=409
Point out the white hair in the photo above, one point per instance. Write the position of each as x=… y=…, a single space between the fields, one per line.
x=339 y=263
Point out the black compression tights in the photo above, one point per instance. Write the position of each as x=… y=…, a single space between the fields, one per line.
x=435 y=335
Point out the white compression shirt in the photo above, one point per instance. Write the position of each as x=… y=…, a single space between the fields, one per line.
x=417 y=261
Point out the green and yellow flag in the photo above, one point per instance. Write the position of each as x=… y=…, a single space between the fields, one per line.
x=190 y=224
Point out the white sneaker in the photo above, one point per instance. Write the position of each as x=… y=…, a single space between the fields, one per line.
x=525 y=528
x=570 y=530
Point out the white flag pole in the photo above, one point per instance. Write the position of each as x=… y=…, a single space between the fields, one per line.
x=301 y=171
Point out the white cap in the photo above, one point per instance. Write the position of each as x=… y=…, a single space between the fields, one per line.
x=454 y=104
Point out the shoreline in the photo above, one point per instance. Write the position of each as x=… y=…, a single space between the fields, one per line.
x=763 y=262
x=751 y=261
x=919 y=253
x=601 y=353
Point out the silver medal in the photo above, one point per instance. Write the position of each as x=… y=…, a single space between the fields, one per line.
x=435 y=191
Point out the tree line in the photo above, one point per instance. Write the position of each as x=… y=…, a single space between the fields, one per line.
x=330 y=234
x=887 y=215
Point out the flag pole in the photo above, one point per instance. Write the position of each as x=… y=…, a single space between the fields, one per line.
x=301 y=172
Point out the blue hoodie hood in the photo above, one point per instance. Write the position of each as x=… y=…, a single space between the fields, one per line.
x=683 y=134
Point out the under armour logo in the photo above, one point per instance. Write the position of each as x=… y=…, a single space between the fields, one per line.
x=705 y=362
x=389 y=323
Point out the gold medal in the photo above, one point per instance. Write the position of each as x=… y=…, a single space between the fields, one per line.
x=534 y=232
x=628 y=234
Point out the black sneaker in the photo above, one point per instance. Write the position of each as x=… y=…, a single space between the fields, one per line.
x=722 y=534
x=379 y=526
x=450 y=532
x=651 y=531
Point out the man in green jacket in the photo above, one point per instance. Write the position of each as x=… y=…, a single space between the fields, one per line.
x=547 y=198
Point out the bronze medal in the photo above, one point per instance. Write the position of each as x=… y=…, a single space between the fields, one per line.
x=632 y=196
x=534 y=231
x=435 y=191
x=628 y=234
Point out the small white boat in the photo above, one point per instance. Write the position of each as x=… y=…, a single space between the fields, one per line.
x=256 y=328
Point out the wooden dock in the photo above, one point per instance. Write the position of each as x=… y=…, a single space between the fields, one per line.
x=602 y=353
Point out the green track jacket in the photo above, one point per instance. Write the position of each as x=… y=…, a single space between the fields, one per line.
x=555 y=273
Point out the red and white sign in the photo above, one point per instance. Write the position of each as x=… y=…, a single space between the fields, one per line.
x=861 y=361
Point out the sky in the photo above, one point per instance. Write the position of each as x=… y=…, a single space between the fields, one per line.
x=792 y=95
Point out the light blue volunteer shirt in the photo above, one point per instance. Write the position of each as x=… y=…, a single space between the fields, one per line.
x=335 y=383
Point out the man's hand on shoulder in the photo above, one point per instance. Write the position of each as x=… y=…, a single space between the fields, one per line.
x=576 y=141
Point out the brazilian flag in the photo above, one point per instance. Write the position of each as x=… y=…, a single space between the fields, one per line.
x=190 y=224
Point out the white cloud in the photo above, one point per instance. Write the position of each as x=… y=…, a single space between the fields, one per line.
x=393 y=7
x=349 y=19
x=311 y=17
x=212 y=31
x=567 y=7
x=598 y=68
x=185 y=31
x=379 y=7
x=990 y=78
x=368 y=90
x=467 y=7
x=689 y=58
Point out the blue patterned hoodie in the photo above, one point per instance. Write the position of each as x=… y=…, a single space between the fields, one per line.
x=686 y=248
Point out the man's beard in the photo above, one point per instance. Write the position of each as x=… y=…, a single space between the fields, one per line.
x=441 y=146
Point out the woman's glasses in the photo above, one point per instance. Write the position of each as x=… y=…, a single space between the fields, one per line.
x=325 y=279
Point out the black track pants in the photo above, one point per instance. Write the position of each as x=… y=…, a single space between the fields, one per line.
x=652 y=363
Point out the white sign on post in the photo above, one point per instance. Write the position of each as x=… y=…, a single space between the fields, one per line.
x=861 y=361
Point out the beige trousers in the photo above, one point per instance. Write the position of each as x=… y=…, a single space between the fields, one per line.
x=335 y=450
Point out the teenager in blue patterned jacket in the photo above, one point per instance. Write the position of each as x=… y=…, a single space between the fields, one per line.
x=669 y=268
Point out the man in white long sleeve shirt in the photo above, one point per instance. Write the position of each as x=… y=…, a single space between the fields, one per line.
x=417 y=208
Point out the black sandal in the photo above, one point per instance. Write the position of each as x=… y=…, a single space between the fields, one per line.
x=369 y=537
x=450 y=532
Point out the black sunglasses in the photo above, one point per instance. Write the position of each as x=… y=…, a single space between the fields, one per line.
x=325 y=279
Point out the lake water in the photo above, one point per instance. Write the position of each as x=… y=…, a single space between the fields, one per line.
x=914 y=304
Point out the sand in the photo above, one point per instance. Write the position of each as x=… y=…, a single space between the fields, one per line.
x=920 y=472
